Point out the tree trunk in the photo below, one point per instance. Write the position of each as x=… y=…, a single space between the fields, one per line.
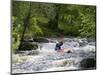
x=53 y=23
x=26 y=22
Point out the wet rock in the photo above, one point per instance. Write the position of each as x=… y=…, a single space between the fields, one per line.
x=68 y=40
x=28 y=46
x=82 y=44
x=91 y=39
x=41 y=40
x=52 y=41
x=27 y=40
x=92 y=43
x=88 y=63
x=33 y=53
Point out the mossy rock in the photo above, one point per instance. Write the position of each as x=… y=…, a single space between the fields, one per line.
x=28 y=46
x=41 y=40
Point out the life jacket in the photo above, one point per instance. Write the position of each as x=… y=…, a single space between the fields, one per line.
x=59 y=44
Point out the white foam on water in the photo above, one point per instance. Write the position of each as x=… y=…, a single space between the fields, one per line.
x=49 y=60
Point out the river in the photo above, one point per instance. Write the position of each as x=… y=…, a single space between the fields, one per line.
x=47 y=59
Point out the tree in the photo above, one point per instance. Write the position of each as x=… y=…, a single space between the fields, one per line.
x=88 y=24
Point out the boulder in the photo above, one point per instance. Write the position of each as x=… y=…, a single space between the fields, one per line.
x=29 y=40
x=28 y=46
x=82 y=44
x=88 y=63
x=91 y=39
x=33 y=52
x=41 y=40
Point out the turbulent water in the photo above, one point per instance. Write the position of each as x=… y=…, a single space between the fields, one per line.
x=45 y=58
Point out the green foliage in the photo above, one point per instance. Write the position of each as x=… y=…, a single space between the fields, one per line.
x=69 y=20
x=15 y=33
x=37 y=31
x=88 y=24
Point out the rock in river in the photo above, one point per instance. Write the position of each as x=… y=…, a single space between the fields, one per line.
x=88 y=63
x=28 y=46
x=41 y=40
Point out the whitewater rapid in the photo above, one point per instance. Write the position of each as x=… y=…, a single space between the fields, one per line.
x=48 y=59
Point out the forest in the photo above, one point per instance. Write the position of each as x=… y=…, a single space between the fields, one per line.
x=36 y=19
